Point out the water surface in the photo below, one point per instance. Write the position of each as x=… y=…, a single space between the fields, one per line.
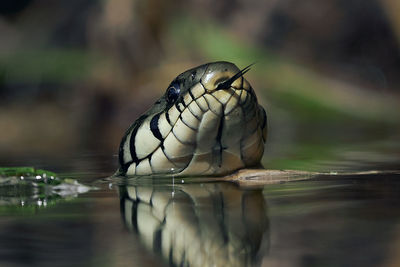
x=348 y=220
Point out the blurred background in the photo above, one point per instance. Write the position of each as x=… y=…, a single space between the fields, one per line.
x=75 y=74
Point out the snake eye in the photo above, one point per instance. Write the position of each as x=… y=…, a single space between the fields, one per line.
x=173 y=92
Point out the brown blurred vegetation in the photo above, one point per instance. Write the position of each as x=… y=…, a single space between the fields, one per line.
x=75 y=74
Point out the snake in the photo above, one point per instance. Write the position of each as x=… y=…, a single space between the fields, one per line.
x=208 y=122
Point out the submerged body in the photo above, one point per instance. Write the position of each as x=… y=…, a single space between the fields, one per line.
x=207 y=123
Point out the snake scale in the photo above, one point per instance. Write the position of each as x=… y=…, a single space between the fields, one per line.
x=208 y=122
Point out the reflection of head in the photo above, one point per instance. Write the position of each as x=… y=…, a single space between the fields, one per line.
x=211 y=224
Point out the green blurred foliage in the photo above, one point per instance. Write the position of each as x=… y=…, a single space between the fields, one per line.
x=56 y=65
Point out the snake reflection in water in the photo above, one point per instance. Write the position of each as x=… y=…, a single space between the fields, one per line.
x=210 y=224
x=208 y=123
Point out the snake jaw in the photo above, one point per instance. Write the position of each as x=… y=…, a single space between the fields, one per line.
x=228 y=83
x=225 y=79
x=216 y=78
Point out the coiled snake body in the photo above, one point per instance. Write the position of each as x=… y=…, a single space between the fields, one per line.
x=207 y=123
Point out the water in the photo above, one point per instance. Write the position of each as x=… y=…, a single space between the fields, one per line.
x=349 y=220
x=346 y=221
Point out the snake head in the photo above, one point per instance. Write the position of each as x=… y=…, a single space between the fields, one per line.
x=214 y=76
x=208 y=122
